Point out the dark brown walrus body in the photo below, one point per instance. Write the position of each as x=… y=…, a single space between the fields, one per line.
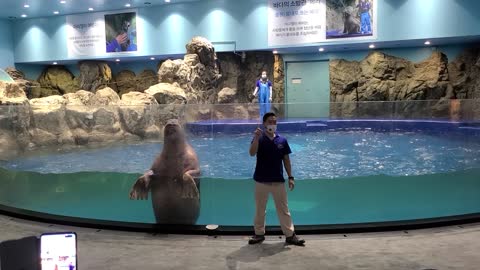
x=173 y=180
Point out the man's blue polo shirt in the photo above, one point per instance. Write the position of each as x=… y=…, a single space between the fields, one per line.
x=270 y=156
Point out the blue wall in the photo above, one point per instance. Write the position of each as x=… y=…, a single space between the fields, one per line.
x=418 y=19
x=168 y=28
x=6 y=44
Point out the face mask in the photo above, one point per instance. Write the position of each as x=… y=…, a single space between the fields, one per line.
x=264 y=76
x=272 y=128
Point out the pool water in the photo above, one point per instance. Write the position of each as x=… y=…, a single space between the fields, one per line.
x=345 y=177
x=330 y=155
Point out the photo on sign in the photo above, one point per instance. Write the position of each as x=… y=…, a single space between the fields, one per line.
x=350 y=18
x=121 y=32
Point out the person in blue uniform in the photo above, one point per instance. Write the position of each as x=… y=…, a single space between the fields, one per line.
x=124 y=40
x=364 y=7
x=263 y=89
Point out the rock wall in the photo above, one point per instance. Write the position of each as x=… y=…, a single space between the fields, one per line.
x=128 y=106
x=94 y=75
x=55 y=80
x=381 y=77
x=59 y=109
x=201 y=74
x=464 y=74
x=239 y=77
x=79 y=118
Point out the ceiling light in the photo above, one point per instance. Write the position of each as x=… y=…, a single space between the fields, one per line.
x=167 y=1
x=371 y=46
x=26 y=6
x=127 y=5
x=54 y=63
x=56 y=12
x=63 y=2
x=117 y=60
x=24 y=15
x=90 y=9
x=321 y=49
x=427 y=42
x=275 y=52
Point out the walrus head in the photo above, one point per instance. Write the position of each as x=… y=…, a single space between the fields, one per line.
x=173 y=132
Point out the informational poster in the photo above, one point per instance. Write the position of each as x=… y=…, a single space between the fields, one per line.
x=314 y=21
x=121 y=32
x=101 y=33
x=351 y=19
x=85 y=35
x=296 y=22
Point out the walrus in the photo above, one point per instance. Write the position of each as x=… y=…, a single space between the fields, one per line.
x=350 y=24
x=173 y=180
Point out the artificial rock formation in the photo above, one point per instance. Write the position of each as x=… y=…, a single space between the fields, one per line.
x=94 y=75
x=464 y=73
x=242 y=74
x=57 y=79
x=12 y=93
x=15 y=74
x=26 y=85
x=227 y=95
x=200 y=74
x=145 y=79
x=57 y=115
x=81 y=118
x=167 y=93
x=126 y=81
x=197 y=73
x=381 y=77
x=14 y=120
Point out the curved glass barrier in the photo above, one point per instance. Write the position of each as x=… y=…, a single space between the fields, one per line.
x=5 y=77
x=367 y=162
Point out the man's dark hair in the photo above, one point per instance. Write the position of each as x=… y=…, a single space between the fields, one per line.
x=268 y=114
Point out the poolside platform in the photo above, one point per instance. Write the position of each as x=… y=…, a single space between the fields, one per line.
x=452 y=247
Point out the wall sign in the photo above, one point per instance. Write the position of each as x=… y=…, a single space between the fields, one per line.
x=313 y=21
x=102 y=33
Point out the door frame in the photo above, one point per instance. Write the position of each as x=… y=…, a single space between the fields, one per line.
x=285 y=79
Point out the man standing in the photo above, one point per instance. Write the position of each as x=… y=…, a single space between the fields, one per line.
x=272 y=150
x=264 y=89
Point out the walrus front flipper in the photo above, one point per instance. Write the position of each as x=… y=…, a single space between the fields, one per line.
x=141 y=188
x=189 y=187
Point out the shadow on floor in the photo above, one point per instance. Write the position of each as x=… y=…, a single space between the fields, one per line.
x=253 y=253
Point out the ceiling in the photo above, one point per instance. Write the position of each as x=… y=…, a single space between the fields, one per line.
x=14 y=9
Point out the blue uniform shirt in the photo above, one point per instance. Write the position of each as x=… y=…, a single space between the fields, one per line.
x=270 y=155
x=260 y=82
x=364 y=6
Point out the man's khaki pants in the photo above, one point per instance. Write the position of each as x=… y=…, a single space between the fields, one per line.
x=279 y=194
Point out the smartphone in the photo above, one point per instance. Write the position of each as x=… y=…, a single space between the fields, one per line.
x=58 y=251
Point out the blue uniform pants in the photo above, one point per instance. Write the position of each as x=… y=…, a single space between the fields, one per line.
x=264 y=100
x=365 y=20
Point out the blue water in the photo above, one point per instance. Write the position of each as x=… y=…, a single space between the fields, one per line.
x=346 y=177
x=316 y=155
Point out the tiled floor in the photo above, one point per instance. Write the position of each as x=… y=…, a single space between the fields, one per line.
x=455 y=247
